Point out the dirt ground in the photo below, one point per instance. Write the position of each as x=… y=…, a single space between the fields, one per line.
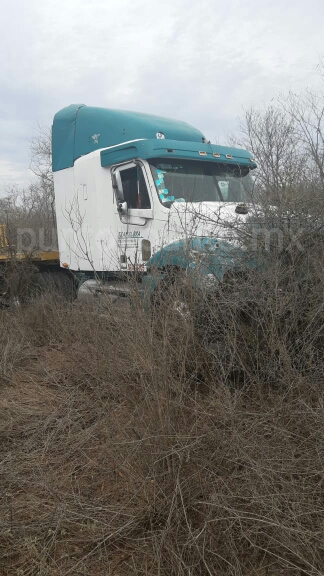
x=122 y=452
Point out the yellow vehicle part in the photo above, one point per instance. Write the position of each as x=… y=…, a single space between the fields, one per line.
x=8 y=255
x=52 y=257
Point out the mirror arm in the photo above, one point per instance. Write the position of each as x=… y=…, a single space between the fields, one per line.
x=117 y=186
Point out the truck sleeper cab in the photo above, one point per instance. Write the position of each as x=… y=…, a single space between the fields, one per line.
x=129 y=186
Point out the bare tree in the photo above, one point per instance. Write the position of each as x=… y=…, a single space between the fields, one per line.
x=41 y=154
x=41 y=166
x=270 y=135
x=306 y=113
x=32 y=208
x=287 y=141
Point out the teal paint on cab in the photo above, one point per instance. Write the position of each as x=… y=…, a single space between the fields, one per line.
x=168 y=149
x=63 y=137
x=78 y=130
x=205 y=255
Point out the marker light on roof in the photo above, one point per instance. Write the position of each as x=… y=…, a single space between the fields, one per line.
x=229 y=156
x=216 y=155
x=160 y=136
x=251 y=159
x=202 y=153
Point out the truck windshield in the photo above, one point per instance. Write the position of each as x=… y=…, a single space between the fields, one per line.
x=198 y=181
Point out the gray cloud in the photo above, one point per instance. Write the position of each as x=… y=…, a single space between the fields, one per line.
x=197 y=61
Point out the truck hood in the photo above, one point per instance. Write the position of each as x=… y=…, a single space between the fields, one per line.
x=204 y=237
x=221 y=220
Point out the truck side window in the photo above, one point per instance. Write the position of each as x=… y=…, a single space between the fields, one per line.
x=134 y=188
x=144 y=199
x=129 y=181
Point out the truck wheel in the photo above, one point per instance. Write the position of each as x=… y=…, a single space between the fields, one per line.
x=174 y=295
x=29 y=287
x=62 y=284
x=52 y=283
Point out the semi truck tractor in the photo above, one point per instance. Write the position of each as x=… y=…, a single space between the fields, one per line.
x=142 y=196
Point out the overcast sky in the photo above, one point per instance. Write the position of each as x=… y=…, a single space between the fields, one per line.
x=201 y=61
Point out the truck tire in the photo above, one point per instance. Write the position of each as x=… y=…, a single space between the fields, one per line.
x=57 y=284
x=173 y=294
x=63 y=285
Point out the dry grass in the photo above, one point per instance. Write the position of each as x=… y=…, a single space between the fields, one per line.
x=173 y=447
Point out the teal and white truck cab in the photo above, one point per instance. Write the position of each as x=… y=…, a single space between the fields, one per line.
x=136 y=192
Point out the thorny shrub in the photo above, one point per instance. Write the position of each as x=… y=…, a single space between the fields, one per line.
x=184 y=440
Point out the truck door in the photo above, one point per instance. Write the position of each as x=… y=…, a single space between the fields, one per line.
x=134 y=205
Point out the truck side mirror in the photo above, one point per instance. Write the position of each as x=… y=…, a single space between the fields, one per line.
x=118 y=187
x=122 y=207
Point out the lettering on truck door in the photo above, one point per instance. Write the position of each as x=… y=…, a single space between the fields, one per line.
x=136 y=218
